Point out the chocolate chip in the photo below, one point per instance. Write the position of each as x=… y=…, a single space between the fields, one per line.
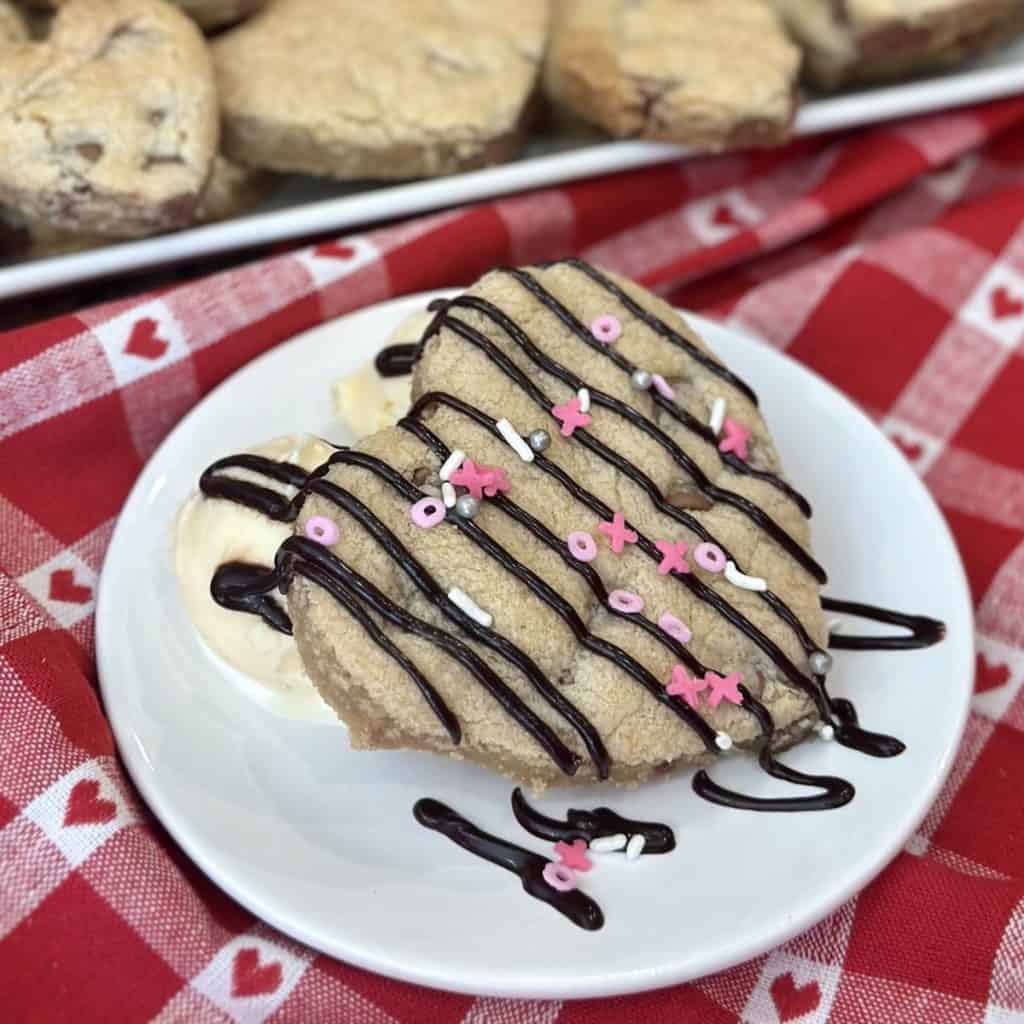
x=90 y=151
x=686 y=496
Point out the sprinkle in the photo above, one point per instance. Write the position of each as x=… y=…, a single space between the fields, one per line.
x=582 y=546
x=516 y=443
x=462 y=600
x=584 y=396
x=466 y=506
x=662 y=386
x=626 y=601
x=606 y=329
x=735 y=440
x=574 y=855
x=641 y=379
x=825 y=731
x=448 y=495
x=570 y=416
x=635 y=846
x=559 y=877
x=835 y=625
x=608 y=844
x=481 y=480
x=683 y=686
x=322 y=530
x=710 y=557
x=717 y=416
x=427 y=512
x=739 y=579
x=724 y=689
x=672 y=556
x=618 y=532
x=451 y=464
x=723 y=741
x=472 y=477
x=676 y=628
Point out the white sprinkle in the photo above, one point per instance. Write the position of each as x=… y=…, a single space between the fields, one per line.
x=835 y=625
x=826 y=732
x=584 y=396
x=717 y=416
x=635 y=846
x=452 y=463
x=723 y=741
x=739 y=579
x=608 y=844
x=516 y=443
x=462 y=600
x=448 y=495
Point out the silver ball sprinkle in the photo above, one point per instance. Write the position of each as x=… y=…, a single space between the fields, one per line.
x=539 y=440
x=820 y=662
x=467 y=506
x=641 y=379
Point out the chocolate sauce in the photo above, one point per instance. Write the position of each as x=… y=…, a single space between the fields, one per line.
x=574 y=904
x=243 y=587
x=249 y=588
x=396 y=360
x=835 y=792
x=924 y=632
x=588 y=825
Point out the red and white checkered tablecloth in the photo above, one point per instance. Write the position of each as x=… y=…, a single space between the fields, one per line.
x=891 y=260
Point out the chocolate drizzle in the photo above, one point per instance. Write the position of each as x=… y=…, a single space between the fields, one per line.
x=250 y=589
x=835 y=792
x=924 y=632
x=588 y=825
x=574 y=904
x=396 y=360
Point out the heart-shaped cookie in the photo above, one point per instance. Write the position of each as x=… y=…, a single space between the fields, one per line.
x=109 y=125
x=623 y=583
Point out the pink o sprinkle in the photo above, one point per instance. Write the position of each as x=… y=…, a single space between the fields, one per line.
x=676 y=628
x=322 y=530
x=582 y=546
x=574 y=855
x=559 y=877
x=626 y=601
x=606 y=329
x=662 y=386
x=710 y=557
x=427 y=512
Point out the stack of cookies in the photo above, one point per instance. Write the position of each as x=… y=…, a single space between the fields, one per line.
x=125 y=118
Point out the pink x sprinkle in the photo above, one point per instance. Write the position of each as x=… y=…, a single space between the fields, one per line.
x=618 y=532
x=683 y=686
x=570 y=416
x=727 y=688
x=481 y=480
x=735 y=440
x=497 y=481
x=672 y=556
x=472 y=476
x=574 y=855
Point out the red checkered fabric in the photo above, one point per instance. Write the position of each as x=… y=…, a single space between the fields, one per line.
x=890 y=260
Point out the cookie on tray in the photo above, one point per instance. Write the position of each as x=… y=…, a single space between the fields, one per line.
x=230 y=192
x=866 y=40
x=12 y=25
x=713 y=74
x=108 y=126
x=619 y=588
x=400 y=90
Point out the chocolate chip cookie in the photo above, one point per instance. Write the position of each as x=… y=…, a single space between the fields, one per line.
x=108 y=126
x=575 y=558
x=397 y=90
x=864 y=40
x=712 y=74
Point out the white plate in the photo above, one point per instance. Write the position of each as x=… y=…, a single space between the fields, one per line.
x=320 y=841
x=307 y=207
